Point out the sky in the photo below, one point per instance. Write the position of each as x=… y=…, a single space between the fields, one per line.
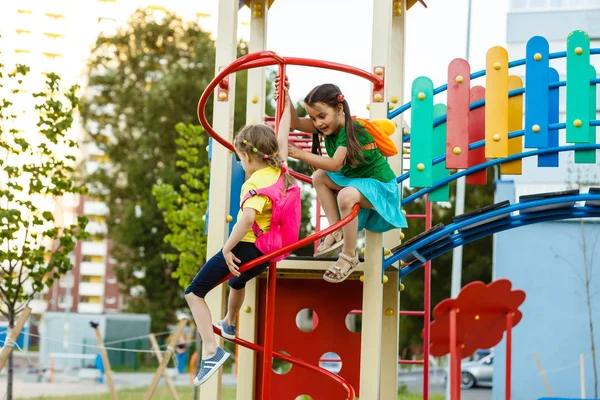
x=341 y=31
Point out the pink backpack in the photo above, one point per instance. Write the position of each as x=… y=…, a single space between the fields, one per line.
x=285 y=219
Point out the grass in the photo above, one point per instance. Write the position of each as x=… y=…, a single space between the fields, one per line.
x=162 y=393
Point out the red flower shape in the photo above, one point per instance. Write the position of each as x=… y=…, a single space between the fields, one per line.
x=481 y=317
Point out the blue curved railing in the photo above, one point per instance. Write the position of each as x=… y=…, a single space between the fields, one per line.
x=517 y=221
x=491 y=163
x=451 y=240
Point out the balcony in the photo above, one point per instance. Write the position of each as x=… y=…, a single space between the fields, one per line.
x=91 y=308
x=52 y=47
x=92 y=269
x=96 y=228
x=91 y=289
x=93 y=249
x=95 y=208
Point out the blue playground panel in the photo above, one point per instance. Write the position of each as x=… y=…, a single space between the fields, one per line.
x=565 y=398
x=22 y=340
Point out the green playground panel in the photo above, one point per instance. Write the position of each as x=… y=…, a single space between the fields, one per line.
x=589 y=156
x=421 y=171
x=439 y=149
x=578 y=83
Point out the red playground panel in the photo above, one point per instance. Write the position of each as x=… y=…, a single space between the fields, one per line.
x=476 y=319
x=331 y=303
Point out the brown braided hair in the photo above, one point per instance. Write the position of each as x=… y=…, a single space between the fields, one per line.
x=259 y=142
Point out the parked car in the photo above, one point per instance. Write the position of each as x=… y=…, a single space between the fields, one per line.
x=477 y=373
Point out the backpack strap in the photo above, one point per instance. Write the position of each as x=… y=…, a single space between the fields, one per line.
x=251 y=193
x=259 y=192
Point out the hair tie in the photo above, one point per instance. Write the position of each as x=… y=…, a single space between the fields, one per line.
x=244 y=141
x=266 y=156
x=340 y=97
x=283 y=167
x=254 y=150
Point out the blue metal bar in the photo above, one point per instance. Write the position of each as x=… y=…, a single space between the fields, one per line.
x=579 y=212
x=448 y=230
x=493 y=162
x=479 y=74
x=484 y=229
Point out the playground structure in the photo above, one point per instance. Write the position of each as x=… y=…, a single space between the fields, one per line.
x=458 y=136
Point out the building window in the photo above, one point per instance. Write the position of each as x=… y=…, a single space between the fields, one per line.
x=111 y=300
x=53 y=36
x=112 y=280
x=90 y=299
x=91 y=279
x=54 y=16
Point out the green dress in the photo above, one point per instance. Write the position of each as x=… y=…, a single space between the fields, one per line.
x=374 y=179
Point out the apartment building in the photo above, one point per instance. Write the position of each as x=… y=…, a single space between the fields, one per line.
x=56 y=36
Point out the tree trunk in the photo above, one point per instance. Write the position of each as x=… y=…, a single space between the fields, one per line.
x=588 y=296
x=9 y=376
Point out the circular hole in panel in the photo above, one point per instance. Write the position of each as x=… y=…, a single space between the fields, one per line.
x=354 y=321
x=307 y=320
x=281 y=367
x=331 y=362
x=303 y=397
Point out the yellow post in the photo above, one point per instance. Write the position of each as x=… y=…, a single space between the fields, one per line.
x=255 y=111
x=159 y=357
x=496 y=103
x=11 y=339
x=515 y=123
x=165 y=360
x=370 y=363
x=105 y=361
x=391 y=295
x=220 y=169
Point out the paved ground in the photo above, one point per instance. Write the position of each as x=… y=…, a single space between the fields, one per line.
x=27 y=387
x=414 y=383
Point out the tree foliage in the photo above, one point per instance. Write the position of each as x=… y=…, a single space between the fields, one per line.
x=36 y=174
x=144 y=80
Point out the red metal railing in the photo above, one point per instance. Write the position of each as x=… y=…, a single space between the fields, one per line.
x=265 y=58
x=255 y=60
x=426 y=313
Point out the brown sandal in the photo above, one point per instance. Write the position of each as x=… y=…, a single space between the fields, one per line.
x=325 y=249
x=338 y=274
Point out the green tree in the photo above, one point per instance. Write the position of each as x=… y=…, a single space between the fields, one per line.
x=184 y=210
x=477 y=259
x=144 y=80
x=36 y=168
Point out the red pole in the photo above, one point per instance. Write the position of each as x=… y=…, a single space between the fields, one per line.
x=509 y=324
x=281 y=99
x=427 y=309
x=269 y=325
x=271 y=280
x=453 y=356
x=459 y=369
x=318 y=224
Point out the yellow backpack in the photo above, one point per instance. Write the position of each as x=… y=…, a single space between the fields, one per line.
x=381 y=129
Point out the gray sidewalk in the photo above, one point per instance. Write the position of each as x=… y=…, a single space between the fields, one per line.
x=27 y=387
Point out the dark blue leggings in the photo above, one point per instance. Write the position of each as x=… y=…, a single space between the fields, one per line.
x=216 y=269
